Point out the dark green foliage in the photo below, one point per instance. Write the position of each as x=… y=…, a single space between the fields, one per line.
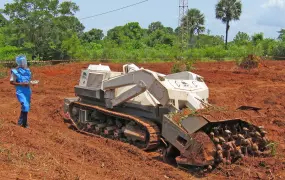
x=279 y=50
x=281 y=34
x=49 y=30
x=195 y=20
x=159 y=37
x=3 y=20
x=40 y=27
x=94 y=35
x=203 y=40
x=155 y=26
x=257 y=38
x=241 y=38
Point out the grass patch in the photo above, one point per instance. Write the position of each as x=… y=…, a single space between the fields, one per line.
x=273 y=147
x=6 y=153
x=3 y=72
x=29 y=155
x=262 y=164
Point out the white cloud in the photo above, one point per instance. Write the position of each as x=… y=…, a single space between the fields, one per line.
x=272 y=17
x=274 y=11
x=274 y=3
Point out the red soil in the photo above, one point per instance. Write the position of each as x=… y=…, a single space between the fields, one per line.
x=49 y=150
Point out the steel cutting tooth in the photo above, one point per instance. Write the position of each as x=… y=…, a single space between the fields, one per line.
x=252 y=134
x=220 y=154
x=216 y=140
x=228 y=132
x=233 y=144
x=235 y=136
x=222 y=139
x=263 y=133
x=224 y=160
x=228 y=145
x=257 y=134
x=239 y=152
x=241 y=136
x=255 y=147
x=265 y=139
x=247 y=142
x=210 y=168
x=219 y=147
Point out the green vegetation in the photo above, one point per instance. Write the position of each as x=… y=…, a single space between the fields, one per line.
x=45 y=30
x=226 y=11
x=3 y=73
x=273 y=147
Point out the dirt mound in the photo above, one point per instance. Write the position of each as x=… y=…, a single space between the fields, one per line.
x=49 y=150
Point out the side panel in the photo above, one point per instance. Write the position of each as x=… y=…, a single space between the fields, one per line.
x=174 y=134
x=195 y=149
x=88 y=92
x=193 y=123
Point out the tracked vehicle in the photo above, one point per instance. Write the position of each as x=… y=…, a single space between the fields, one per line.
x=140 y=107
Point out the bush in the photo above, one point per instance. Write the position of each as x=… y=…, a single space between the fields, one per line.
x=279 y=50
x=10 y=52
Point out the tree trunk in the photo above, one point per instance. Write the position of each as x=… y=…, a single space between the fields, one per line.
x=198 y=38
x=227 y=31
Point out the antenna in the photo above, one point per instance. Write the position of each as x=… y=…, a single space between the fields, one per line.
x=183 y=9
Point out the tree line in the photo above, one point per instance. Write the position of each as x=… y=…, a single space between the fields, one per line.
x=48 y=29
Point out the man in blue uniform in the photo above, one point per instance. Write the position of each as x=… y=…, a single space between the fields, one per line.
x=20 y=78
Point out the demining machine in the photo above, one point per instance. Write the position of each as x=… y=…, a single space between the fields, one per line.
x=137 y=106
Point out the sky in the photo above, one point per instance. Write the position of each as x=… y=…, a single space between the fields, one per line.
x=267 y=16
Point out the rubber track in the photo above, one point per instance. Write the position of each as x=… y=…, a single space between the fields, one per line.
x=151 y=127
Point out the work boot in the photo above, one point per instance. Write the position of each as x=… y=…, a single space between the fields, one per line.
x=20 y=120
x=25 y=119
x=27 y=126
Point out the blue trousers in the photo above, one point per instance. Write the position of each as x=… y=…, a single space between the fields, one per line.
x=23 y=119
x=24 y=97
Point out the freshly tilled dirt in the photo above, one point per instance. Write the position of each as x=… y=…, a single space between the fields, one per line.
x=50 y=150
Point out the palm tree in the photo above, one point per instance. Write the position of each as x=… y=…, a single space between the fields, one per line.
x=281 y=34
x=228 y=10
x=195 y=21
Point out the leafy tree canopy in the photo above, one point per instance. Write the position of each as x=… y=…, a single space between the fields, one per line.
x=257 y=37
x=94 y=35
x=3 y=21
x=281 y=34
x=40 y=26
x=241 y=38
x=195 y=21
x=155 y=26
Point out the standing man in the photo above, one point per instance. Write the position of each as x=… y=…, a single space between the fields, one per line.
x=20 y=78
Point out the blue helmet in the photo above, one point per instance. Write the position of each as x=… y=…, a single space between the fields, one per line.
x=21 y=61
